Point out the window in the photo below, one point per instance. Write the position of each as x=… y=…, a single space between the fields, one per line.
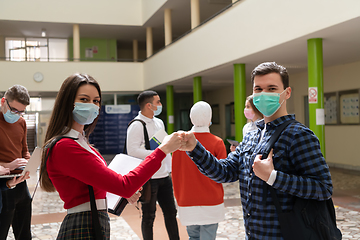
x=36 y=49
x=58 y=50
x=15 y=49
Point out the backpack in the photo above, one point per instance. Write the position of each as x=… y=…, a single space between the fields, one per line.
x=310 y=219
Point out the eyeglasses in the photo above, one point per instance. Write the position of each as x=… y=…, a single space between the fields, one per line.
x=14 y=110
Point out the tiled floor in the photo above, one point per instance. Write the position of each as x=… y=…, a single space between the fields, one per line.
x=48 y=213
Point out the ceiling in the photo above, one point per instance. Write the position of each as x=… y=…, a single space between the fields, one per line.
x=341 y=43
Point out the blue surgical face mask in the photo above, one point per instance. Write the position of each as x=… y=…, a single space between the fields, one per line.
x=158 y=110
x=11 y=117
x=267 y=103
x=85 y=113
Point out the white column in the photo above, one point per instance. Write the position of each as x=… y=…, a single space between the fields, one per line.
x=2 y=48
x=76 y=42
x=135 y=50
x=149 y=42
x=195 y=13
x=167 y=26
x=234 y=1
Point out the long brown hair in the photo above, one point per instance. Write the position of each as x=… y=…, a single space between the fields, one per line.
x=61 y=119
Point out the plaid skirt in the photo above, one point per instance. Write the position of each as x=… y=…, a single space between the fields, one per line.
x=79 y=226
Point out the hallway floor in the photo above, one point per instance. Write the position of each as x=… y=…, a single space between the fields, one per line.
x=48 y=213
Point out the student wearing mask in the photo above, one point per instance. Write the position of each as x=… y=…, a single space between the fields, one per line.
x=73 y=164
x=253 y=115
x=14 y=153
x=161 y=185
x=295 y=167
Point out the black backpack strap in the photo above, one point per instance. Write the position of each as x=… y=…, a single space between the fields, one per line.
x=146 y=135
x=267 y=150
x=275 y=137
x=48 y=149
x=50 y=146
x=95 y=216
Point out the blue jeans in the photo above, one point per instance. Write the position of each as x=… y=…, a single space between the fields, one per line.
x=161 y=191
x=202 y=232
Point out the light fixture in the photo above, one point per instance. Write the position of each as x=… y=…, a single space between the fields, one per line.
x=43 y=32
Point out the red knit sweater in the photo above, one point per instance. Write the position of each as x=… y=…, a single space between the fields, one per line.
x=191 y=187
x=71 y=168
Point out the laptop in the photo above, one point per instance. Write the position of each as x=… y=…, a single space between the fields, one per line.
x=31 y=166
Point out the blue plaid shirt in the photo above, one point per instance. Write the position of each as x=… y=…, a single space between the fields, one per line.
x=301 y=172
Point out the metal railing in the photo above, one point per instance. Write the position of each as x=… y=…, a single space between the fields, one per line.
x=118 y=59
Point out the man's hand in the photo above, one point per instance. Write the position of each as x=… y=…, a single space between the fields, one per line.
x=19 y=162
x=171 y=143
x=263 y=168
x=188 y=141
x=4 y=170
x=16 y=180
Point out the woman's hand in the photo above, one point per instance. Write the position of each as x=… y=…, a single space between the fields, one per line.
x=188 y=141
x=135 y=197
x=171 y=143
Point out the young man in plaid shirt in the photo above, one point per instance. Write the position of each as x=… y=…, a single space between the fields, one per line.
x=295 y=167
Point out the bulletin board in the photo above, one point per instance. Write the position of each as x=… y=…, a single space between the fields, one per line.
x=331 y=108
x=341 y=108
x=349 y=107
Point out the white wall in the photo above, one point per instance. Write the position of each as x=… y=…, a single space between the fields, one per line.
x=149 y=7
x=112 y=76
x=243 y=30
x=110 y=12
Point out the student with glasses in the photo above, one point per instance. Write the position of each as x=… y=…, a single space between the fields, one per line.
x=14 y=153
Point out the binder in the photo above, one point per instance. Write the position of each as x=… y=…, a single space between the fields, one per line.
x=121 y=164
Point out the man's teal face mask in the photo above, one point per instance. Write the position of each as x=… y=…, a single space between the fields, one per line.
x=267 y=103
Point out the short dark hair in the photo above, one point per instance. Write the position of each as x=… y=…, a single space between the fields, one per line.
x=146 y=97
x=271 y=67
x=18 y=93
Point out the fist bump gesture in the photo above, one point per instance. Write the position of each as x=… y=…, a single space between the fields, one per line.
x=180 y=140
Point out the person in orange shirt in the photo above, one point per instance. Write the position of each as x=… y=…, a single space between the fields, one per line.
x=200 y=199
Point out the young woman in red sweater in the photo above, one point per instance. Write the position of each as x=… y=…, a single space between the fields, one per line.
x=75 y=164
